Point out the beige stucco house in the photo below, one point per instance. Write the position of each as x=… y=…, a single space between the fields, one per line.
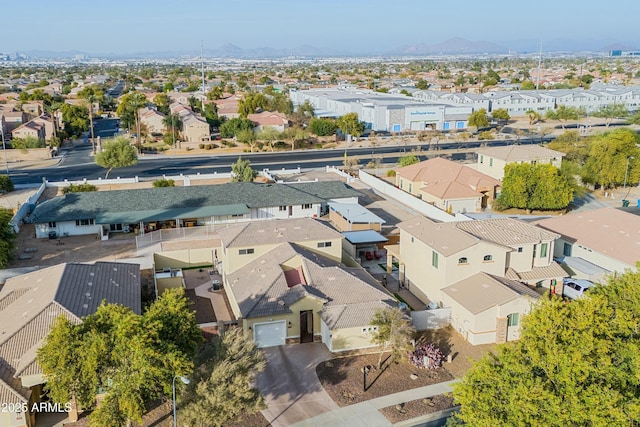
x=269 y=119
x=487 y=309
x=450 y=186
x=598 y=242
x=434 y=255
x=153 y=120
x=492 y=160
x=285 y=283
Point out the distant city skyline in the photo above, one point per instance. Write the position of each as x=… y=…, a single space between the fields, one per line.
x=363 y=26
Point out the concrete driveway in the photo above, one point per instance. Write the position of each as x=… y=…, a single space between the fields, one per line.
x=290 y=385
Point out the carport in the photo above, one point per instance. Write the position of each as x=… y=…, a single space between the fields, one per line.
x=359 y=243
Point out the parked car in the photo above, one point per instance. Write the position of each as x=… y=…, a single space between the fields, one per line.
x=575 y=288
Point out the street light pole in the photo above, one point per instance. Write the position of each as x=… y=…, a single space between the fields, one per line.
x=184 y=381
x=4 y=147
x=626 y=172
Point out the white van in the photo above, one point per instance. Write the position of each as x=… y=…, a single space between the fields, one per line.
x=575 y=288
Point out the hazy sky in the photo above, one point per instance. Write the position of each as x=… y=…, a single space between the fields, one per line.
x=118 y=26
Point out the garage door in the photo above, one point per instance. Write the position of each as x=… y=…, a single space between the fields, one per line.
x=269 y=334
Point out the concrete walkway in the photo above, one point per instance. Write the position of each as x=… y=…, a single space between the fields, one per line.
x=367 y=414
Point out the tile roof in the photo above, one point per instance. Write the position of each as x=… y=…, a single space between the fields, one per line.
x=506 y=231
x=443 y=237
x=184 y=202
x=276 y=231
x=483 y=291
x=349 y=294
x=30 y=303
x=612 y=232
x=519 y=153
x=551 y=271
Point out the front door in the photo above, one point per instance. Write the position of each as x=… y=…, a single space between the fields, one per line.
x=290 y=210
x=306 y=326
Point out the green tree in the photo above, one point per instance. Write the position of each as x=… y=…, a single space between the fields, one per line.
x=230 y=128
x=6 y=184
x=534 y=187
x=128 y=111
x=27 y=142
x=79 y=188
x=575 y=365
x=575 y=146
x=563 y=113
x=606 y=165
x=242 y=171
x=91 y=95
x=349 y=124
x=323 y=127
x=168 y=87
x=131 y=358
x=408 y=160
x=215 y=93
x=75 y=119
x=7 y=238
x=159 y=183
x=173 y=126
x=115 y=154
x=162 y=102
x=303 y=114
x=479 y=119
x=394 y=332
x=223 y=381
x=612 y=111
x=528 y=85
x=501 y=115
x=247 y=137
x=422 y=84
x=534 y=117
x=251 y=103
x=635 y=119
x=268 y=135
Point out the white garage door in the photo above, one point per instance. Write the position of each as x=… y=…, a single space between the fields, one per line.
x=269 y=334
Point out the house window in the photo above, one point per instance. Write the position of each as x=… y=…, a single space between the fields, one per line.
x=543 y=250
x=246 y=251
x=324 y=244
x=520 y=249
x=463 y=260
x=409 y=187
x=412 y=240
x=282 y=208
x=306 y=206
x=52 y=225
x=434 y=259
x=488 y=258
x=237 y=215
x=566 y=251
x=80 y=222
x=369 y=329
x=513 y=319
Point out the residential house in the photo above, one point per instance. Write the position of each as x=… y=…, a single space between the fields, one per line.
x=33 y=108
x=104 y=212
x=285 y=283
x=492 y=160
x=487 y=309
x=434 y=255
x=153 y=120
x=31 y=129
x=353 y=217
x=597 y=242
x=13 y=119
x=269 y=119
x=450 y=186
x=49 y=124
x=29 y=305
x=228 y=107
x=194 y=129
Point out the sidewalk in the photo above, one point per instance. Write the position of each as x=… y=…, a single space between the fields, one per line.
x=367 y=414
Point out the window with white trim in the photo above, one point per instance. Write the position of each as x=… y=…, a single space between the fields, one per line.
x=463 y=260
x=324 y=244
x=81 y=222
x=246 y=251
x=306 y=206
x=488 y=258
x=282 y=208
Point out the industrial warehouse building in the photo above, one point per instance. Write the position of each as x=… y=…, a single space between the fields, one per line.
x=385 y=112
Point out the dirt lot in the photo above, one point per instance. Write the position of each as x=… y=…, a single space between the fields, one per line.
x=342 y=377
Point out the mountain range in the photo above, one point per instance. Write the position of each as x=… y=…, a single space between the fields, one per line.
x=452 y=46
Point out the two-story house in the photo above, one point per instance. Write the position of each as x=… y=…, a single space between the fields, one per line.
x=285 y=283
x=492 y=160
x=450 y=186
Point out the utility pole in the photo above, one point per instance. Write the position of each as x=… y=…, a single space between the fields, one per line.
x=203 y=86
x=4 y=148
x=539 y=65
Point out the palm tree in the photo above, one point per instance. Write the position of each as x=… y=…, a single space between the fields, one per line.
x=173 y=122
x=91 y=95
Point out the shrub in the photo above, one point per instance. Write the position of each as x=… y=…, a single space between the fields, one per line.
x=426 y=356
x=164 y=183
x=391 y=173
x=487 y=134
x=201 y=146
x=79 y=188
x=6 y=184
x=27 y=142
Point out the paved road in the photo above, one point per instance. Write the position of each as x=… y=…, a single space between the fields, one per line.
x=79 y=165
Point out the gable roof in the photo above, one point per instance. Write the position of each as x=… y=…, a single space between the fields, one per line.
x=122 y=206
x=445 y=238
x=268 y=118
x=30 y=303
x=483 y=291
x=612 y=232
x=438 y=169
x=349 y=295
x=276 y=231
x=520 y=153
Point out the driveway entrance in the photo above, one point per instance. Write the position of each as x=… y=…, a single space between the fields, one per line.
x=290 y=385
